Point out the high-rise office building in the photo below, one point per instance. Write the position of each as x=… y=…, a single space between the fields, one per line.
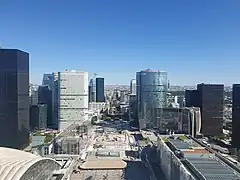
x=47 y=80
x=70 y=98
x=209 y=97
x=92 y=90
x=14 y=98
x=191 y=98
x=133 y=87
x=133 y=109
x=45 y=97
x=34 y=97
x=100 y=90
x=236 y=116
x=152 y=87
x=55 y=101
x=211 y=104
x=38 y=117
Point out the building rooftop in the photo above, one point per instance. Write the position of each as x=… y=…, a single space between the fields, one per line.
x=150 y=70
x=14 y=163
x=11 y=50
x=134 y=170
x=211 y=167
x=180 y=144
x=104 y=164
x=205 y=162
x=184 y=143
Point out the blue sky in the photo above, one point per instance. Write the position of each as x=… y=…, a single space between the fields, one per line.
x=195 y=41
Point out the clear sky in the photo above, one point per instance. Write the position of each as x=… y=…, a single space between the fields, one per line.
x=195 y=41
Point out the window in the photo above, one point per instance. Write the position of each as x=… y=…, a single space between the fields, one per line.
x=67 y=98
x=45 y=150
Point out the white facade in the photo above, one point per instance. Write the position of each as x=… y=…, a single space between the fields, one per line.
x=71 y=99
x=96 y=107
x=133 y=87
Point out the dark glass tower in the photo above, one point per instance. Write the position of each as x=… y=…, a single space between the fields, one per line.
x=38 y=117
x=211 y=105
x=209 y=97
x=236 y=116
x=45 y=97
x=14 y=98
x=191 y=98
x=48 y=80
x=100 y=90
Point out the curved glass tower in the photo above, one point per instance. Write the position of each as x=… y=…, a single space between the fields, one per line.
x=152 y=87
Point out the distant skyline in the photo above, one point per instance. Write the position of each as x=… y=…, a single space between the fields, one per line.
x=194 y=41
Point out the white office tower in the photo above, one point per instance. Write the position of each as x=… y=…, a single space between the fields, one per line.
x=176 y=99
x=133 y=87
x=71 y=98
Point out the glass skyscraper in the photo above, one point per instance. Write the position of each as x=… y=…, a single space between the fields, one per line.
x=209 y=97
x=48 y=80
x=100 y=90
x=152 y=89
x=45 y=97
x=236 y=116
x=92 y=90
x=14 y=98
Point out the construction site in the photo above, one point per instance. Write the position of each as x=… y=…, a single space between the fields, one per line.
x=73 y=143
x=105 y=158
x=109 y=144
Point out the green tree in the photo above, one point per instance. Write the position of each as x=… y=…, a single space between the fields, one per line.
x=94 y=120
x=48 y=138
x=108 y=118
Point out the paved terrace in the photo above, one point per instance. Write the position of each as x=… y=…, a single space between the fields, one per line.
x=111 y=170
x=108 y=144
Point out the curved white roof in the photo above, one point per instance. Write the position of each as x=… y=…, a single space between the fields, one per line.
x=14 y=163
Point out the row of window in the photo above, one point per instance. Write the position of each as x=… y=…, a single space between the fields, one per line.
x=68 y=99
x=72 y=108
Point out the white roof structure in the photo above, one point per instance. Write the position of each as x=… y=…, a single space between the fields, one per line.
x=104 y=164
x=14 y=163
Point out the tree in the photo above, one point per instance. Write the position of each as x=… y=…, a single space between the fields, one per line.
x=108 y=118
x=94 y=120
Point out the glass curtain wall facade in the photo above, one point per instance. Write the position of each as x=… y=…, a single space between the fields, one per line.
x=192 y=98
x=14 y=98
x=209 y=97
x=48 y=80
x=236 y=116
x=151 y=94
x=100 y=90
x=211 y=104
x=92 y=90
x=45 y=97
